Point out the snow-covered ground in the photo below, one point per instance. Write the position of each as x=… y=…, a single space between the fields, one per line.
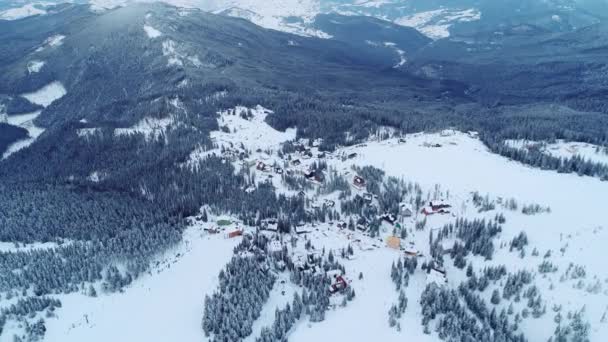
x=35 y=66
x=436 y=24
x=152 y=128
x=165 y=305
x=254 y=133
x=151 y=32
x=47 y=94
x=44 y=97
x=565 y=149
x=24 y=11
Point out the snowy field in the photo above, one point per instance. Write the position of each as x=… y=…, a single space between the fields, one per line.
x=436 y=24
x=165 y=305
x=565 y=149
x=24 y=11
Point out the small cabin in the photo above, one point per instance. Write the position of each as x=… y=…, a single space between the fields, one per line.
x=359 y=182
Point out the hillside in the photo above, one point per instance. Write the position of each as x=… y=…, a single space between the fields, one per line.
x=170 y=173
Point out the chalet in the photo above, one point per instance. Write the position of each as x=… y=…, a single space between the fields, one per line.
x=436 y=207
x=271 y=225
x=301 y=193
x=405 y=209
x=274 y=246
x=235 y=233
x=447 y=133
x=296 y=162
x=321 y=155
x=329 y=203
x=300 y=148
x=410 y=250
x=278 y=170
x=261 y=166
x=434 y=276
x=367 y=197
x=402 y=140
x=307 y=154
x=351 y=155
x=362 y=224
x=342 y=225
x=439 y=204
x=359 y=182
x=211 y=230
x=473 y=134
x=250 y=189
x=338 y=283
x=437 y=267
x=388 y=217
x=302 y=229
x=314 y=175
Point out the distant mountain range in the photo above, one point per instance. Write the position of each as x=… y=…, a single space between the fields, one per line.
x=435 y=18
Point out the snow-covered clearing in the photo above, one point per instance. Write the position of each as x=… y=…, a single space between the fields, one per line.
x=272 y=14
x=24 y=121
x=44 y=97
x=253 y=132
x=436 y=24
x=165 y=305
x=35 y=66
x=151 y=32
x=87 y=132
x=12 y=247
x=24 y=11
x=52 y=41
x=565 y=149
x=47 y=94
x=151 y=128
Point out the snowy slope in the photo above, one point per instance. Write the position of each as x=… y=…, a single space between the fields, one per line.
x=167 y=304
x=24 y=11
x=44 y=97
x=164 y=306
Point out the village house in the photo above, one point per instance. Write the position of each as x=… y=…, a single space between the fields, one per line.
x=304 y=229
x=405 y=209
x=261 y=166
x=211 y=230
x=389 y=218
x=271 y=225
x=315 y=176
x=362 y=224
x=338 y=282
x=359 y=182
x=329 y=203
x=436 y=207
x=234 y=233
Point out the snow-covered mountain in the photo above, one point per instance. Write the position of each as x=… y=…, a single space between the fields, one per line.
x=436 y=19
